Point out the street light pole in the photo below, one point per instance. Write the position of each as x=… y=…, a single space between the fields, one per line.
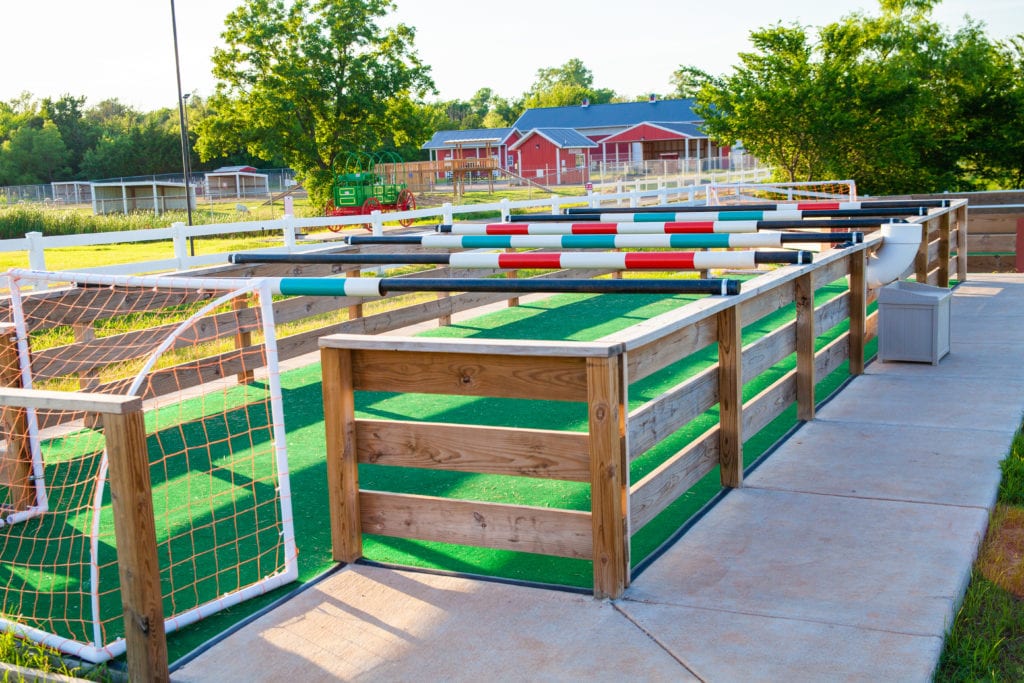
x=186 y=165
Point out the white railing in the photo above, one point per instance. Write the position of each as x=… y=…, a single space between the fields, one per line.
x=291 y=229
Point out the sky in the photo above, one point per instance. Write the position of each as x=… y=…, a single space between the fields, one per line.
x=124 y=49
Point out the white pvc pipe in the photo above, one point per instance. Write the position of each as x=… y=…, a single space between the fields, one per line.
x=900 y=242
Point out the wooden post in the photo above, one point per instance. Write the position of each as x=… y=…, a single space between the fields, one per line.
x=242 y=339
x=609 y=475
x=858 y=311
x=513 y=274
x=961 y=243
x=355 y=311
x=921 y=260
x=944 y=249
x=730 y=397
x=342 y=466
x=135 y=531
x=805 y=334
x=16 y=460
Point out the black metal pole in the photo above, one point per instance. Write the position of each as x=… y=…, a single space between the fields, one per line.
x=825 y=237
x=593 y=215
x=690 y=208
x=628 y=286
x=186 y=165
x=444 y=258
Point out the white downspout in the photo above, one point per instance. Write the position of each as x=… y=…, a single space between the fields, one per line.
x=900 y=242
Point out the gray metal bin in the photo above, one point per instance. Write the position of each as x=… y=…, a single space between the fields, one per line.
x=913 y=322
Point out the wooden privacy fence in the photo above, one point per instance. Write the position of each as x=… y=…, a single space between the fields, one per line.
x=598 y=374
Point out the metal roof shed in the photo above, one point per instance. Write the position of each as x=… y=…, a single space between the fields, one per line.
x=141 y=195
x=236 y=182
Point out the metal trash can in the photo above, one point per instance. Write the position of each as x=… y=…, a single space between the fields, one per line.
x=913 y=322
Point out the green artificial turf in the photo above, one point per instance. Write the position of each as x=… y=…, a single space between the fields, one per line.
x=563 y=317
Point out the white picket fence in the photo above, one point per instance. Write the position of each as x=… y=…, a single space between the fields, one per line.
x=290 y=230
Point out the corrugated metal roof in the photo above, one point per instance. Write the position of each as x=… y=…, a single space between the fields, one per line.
x=443 y=139
x=622 y=114
x=561 y=137
x=234 y=169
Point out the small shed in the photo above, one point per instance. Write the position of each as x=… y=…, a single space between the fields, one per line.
x=141 y=195
x=554 y=156
x=237 y=182
x=72 y=192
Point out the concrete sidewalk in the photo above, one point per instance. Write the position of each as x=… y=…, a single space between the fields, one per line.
x=843 y=557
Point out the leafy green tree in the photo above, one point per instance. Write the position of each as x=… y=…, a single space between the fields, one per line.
x=33 y=155
x=307 y=80
x=565 y=85
x=770 y=103
x=76 y=131
x=894 y=101
x=688 y=80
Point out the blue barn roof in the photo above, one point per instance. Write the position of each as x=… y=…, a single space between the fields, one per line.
x=560 y=137
x=444 y=139
x=621 y=114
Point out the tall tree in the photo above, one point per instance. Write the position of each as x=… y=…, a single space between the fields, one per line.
x=894 y=100
x=76 y=131
x=33 y=155
x=565 y=85
x=306 y=80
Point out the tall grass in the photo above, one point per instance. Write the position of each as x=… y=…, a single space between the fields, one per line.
x=986 y=642
x=17 y=220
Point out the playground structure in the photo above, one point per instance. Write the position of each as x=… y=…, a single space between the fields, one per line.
x=591 y=373
x=369 y=182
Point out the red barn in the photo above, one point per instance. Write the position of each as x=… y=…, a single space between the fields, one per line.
x=553 y=156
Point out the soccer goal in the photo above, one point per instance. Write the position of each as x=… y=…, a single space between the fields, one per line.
x=201 y=353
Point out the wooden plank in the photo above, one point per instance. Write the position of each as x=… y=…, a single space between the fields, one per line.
x=730 y=397
x=765 y=304
x=832 y=313
x=805 y=336
x=769 y=404
x=992 y=263
x=474 y=347
x=828 y=274
x=471 y=374
x=661 y=417
x=609 y=476
x=69 y=400
x=135 y=531
x=992 y=243
x=645 y=360
x=945 y=248
x=832 y=356
x=541 y=453
x=858 y=309
x=983 y=223
x=659 y=489
x=547 y=531
x=761 y=355
x=342 y=464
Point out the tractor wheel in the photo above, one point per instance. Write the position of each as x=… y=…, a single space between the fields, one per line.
x=370 y=205
x=406 y=202
x=330 y=210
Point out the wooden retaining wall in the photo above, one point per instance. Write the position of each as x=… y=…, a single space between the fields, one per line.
x=996 y=242
x=597 y=373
